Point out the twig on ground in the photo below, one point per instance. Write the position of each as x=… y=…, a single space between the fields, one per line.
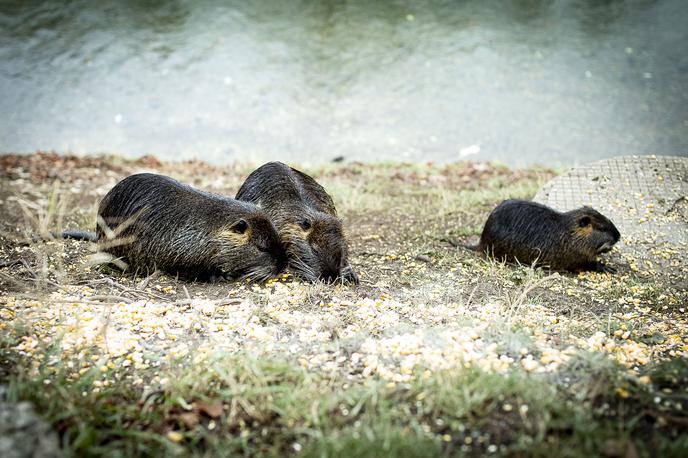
x=125 y=289
x=368 y=253
x=451 y=242
x=215 y=301
x=106 y=297
x=10 y=263
x=683 y=421
x=144 y=283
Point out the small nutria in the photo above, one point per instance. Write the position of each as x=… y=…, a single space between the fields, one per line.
x=528 y=232
x=155 y=222
x=306 y=220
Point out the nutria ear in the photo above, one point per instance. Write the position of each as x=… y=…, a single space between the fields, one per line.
x=305 y=224
x=584 y=221
x=240 y=226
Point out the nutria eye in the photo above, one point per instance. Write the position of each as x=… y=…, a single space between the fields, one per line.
x=584 y=221
x=305 y=224
x=240 y=226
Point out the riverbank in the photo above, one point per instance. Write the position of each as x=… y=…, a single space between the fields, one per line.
x=437 y=351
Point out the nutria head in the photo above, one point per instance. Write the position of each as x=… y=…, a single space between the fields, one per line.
x=592 y=232
x=249 y=247
x=317 y=247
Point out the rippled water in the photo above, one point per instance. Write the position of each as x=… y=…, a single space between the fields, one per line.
x=521 y=81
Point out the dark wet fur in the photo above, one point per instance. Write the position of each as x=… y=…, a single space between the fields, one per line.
x=529 y=232
x=290 y=198
x=169 y=226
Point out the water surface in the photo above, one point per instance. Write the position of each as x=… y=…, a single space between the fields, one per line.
x=520 y=81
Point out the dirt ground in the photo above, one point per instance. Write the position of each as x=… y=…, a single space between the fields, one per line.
x=424 y=303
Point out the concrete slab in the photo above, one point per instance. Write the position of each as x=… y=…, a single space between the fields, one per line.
x=647 y=199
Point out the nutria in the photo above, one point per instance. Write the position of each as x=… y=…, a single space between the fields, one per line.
x=306 y=219
x=154 y=222
x=531 y=233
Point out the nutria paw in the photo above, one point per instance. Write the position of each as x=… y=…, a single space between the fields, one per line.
x=349 y=275
x=601 y=267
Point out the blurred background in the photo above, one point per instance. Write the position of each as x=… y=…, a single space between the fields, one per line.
x=555 y=82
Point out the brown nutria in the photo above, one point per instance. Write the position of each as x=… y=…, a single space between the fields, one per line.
x=155 y=222
x=306 y=220
x=528 y=232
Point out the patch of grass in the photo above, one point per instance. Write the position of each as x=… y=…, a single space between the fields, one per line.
x=220 y=404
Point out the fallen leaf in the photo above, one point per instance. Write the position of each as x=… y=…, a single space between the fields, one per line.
x=212 y=410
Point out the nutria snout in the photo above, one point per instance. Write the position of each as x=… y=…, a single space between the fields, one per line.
x=528 y=232
x=306 y=220
x=154 y=222
x=317 y=248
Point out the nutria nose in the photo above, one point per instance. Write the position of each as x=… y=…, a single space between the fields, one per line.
x=616 y=235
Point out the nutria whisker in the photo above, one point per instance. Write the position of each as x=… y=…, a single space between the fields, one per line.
x=302 y=269
x=257 y=274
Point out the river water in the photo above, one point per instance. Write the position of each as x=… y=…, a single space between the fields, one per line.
x=554 y=82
